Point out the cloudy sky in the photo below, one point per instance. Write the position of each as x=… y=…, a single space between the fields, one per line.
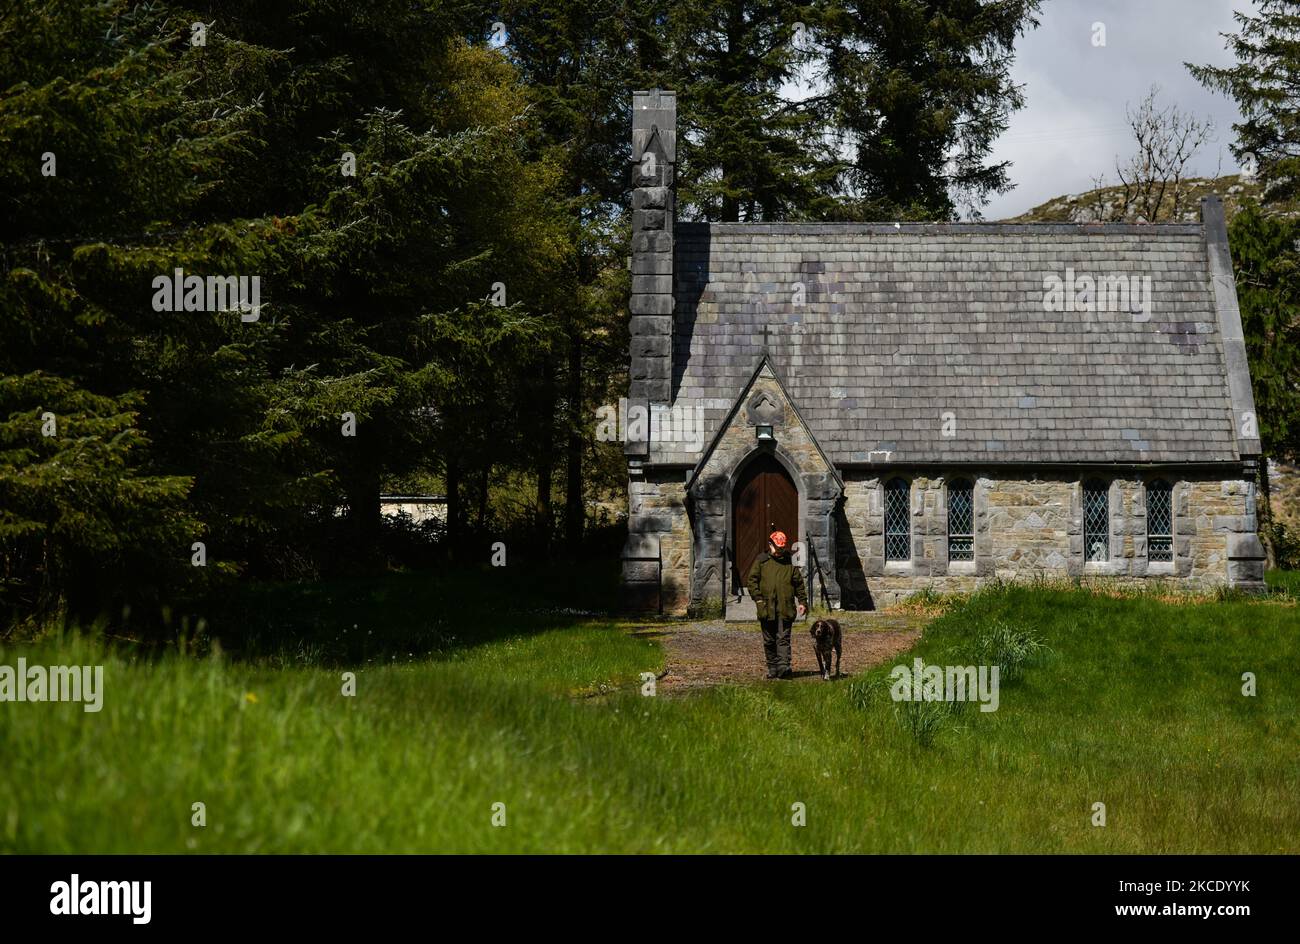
x=1073 y=124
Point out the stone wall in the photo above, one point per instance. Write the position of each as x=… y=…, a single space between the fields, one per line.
x=419 y=508
x=1025 y=528
x=659 y=543
x=1032 y=527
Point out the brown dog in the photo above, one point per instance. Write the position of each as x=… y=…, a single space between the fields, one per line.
x=826 y=636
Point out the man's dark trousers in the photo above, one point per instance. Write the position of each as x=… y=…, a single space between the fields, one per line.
x=776 y=644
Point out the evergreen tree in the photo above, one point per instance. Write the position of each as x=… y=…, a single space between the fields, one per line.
x=103 y=154
x=225 y=157
x=577 y=66
x=919 y=91
x=1267 y=269
x=748 y=149
x=1264 y=238
x=1263 y=83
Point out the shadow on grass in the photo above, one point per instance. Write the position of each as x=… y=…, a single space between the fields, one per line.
x=405 y=615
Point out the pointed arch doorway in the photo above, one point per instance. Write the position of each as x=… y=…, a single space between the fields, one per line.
x=764 y=499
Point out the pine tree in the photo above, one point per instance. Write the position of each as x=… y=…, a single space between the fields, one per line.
x=748 y=151
x=1264 y=238
x=389 y=270
x=1267 y=268
x=920 y=89
x=1263 y=83
x=227 y=157
x=576 y=64
x=102 y=153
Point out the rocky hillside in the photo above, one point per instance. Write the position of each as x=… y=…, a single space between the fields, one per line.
x=1284 y=484
x=1091 y=205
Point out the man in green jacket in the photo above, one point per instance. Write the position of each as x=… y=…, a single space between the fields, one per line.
x=777 y=589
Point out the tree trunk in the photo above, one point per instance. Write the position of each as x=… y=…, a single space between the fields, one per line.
x=454 y=517
x=573 y=504
x=483 y=495
x=730 y=72
x=364 y=518
x=730 y=205
x=545 y=456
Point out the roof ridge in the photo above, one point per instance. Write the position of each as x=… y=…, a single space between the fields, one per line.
x=888 y=227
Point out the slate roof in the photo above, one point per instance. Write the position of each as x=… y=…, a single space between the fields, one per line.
x=906 y=322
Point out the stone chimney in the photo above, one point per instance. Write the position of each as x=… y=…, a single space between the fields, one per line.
x=654 y=154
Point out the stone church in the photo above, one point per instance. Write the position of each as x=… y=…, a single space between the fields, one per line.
x=929 y=405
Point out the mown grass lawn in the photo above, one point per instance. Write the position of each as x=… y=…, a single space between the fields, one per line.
x=1135 y=703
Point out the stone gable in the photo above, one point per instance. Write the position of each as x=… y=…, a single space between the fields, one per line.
x=762 y=401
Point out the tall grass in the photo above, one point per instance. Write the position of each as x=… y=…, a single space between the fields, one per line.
x=1284 y=583
x=1011 y=648
x=1128 y=701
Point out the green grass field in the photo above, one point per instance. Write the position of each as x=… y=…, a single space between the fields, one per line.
x=1133 y=702
x=1284 y=583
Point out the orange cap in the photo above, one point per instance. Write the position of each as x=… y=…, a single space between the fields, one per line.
x=778 y=538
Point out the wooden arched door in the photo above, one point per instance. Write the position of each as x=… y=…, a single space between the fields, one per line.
x=764 y=500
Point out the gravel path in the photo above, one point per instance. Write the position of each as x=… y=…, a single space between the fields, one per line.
x=716 y=653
